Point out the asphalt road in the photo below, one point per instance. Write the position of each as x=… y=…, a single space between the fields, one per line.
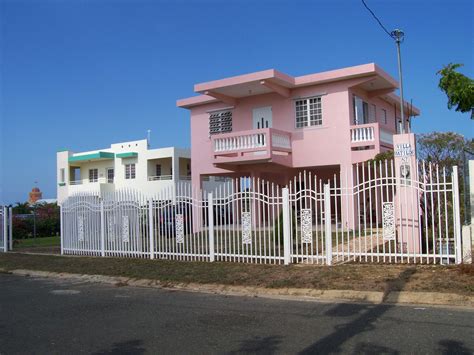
x=49 y=316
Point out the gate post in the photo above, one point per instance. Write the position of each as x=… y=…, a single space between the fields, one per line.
x=286 y=226
x=457 y=217
x=151 y=230
x=102 y=228
x=327 y=223
x=61 y=227
x=10 y=227
x=5 y=230
x=210 y=226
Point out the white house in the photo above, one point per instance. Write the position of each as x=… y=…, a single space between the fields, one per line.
x=123 y=165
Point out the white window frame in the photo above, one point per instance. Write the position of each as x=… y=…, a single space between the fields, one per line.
x=95 y=175
x=130 y=172
x=384 y=114
x=318 y=122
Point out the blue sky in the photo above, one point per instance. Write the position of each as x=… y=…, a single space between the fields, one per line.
x=84 y=74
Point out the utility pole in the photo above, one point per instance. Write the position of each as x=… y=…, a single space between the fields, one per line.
x=398 y=36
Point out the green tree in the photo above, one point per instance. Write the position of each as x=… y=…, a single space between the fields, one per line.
x=443 y=148
x=446 y=149
x=458 y=87
x=22 y=208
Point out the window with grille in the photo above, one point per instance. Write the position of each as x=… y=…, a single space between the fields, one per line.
x=220 y=122
x=93 y=175
x=130 y=171
x=384 y=116
x=308 y=112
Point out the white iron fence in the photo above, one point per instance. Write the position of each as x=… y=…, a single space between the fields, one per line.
x=6 y=240
x=368 y=216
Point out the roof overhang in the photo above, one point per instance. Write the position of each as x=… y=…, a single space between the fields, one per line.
x=127 y=155
x=368 y=77
x=229 y=90
x=91 y=157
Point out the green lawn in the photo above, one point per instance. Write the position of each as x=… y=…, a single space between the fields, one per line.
x=37 y=242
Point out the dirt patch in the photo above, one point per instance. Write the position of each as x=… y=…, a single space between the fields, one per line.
x=363 y=277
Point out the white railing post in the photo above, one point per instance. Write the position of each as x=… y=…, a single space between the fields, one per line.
x=5 y=230
x=286 y=226
x=327 y=223
x=151 y=230
x=102 y=228
x=10 y=227
x=457 y=217
x=210 y=217
x=61 y=229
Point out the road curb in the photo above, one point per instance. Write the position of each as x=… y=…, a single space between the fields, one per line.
x=375 y=297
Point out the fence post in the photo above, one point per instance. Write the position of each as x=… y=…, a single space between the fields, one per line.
x=5 y=230
x=10 y=227
x=210 y=217
x=286 y=226
x=457 y=217
x=151 y=231
x=327 y=223
x=102 y=228
x=61 y=229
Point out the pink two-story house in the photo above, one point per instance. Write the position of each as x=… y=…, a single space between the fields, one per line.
x=271 y=125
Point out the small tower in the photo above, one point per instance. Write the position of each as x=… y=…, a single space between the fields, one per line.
x=35 y=195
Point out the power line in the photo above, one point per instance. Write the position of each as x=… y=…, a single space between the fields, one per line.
x=377 y=19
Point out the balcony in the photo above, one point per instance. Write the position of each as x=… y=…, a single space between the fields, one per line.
x=90 y=186
x=368 y=139
x=254 y=146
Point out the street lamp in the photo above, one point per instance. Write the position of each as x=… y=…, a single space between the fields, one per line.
x=398 y=36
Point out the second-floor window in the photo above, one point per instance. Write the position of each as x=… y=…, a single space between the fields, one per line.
x=361 y=110
x=93 y=175
x=384 y=116
x=220 y=122
x=158 y=170
x=130 y=171
x=309 y=112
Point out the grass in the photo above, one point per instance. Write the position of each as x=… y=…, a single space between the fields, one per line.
x=364 y=277
x=37 y=242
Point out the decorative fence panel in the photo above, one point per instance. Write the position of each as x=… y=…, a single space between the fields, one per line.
x=371 y=215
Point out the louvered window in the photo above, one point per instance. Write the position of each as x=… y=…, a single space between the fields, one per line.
x=220 y=122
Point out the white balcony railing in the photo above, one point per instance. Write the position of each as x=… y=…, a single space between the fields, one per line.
x=160 y=177
x=240 y=142
x=185 y=177
x=362 y=134
x=101 y=180
x=281 y=140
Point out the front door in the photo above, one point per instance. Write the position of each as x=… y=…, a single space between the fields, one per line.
x=262 y=117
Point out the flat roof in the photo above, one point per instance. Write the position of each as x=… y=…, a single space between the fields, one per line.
x=265 y=81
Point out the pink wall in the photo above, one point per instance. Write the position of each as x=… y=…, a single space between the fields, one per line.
x=325 y=145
